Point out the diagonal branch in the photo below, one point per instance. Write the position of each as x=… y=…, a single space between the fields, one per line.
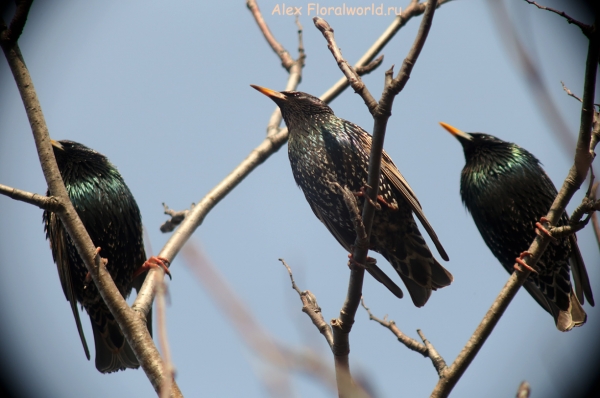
x=575 y=178
x=586 y=29
x=133 y=327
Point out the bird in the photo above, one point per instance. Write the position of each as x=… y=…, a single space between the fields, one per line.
x=507 y=192
x=326 y=153
x=112 y=218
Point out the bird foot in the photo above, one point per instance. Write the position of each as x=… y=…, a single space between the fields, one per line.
x=351 y=261
x=540 y=228
x=154 y=262
x=520 y=262
x=363 y=194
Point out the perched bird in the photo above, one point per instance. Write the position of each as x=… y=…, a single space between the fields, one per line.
x=112 y=218
x=507 y=192
x=325 y=150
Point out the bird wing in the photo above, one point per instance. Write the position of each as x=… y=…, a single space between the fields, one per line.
x=372 y=268
x=57 y=235
x=391 y=172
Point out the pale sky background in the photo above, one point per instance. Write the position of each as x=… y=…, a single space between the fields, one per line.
x=162 y=89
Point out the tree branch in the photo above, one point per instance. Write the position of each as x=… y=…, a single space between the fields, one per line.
x=381 y=112
x=311 y=308
x=426 y=349
x=49 y=203
x=586 y=29
x=134 y=329
x=576 y=177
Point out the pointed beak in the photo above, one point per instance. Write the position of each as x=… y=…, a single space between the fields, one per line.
x=460 y=135
x=56 y=144
x=274 y=95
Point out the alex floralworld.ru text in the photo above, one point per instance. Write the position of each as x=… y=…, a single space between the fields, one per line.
x=317 y=9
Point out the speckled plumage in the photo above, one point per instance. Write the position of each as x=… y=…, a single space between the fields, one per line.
x=324 y=149
x=112 y=218
x=506 y=191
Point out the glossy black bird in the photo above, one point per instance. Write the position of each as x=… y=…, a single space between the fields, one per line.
x=112 y=218
x=323 y=150
x=507 y=192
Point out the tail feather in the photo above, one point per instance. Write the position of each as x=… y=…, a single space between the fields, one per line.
x=113 y=352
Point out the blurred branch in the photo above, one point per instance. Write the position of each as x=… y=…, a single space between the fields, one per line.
x=426 y=349
x=134 y=327
x=576 y=177
x=524 y=390
x=248 y=328
x=531 y=74
x=9 y=35
x=49 y=203
x=169 y=374
x=586 y=29
x=381 y=112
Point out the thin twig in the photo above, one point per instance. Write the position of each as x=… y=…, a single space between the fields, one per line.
x=250 y=331
x=574 y=180
x=286 y=60
x=586 y=29
x=426 y=348
x=49 y=203
x=569 y=92
x=311 y=308
x=524 y=390
x=176 y=218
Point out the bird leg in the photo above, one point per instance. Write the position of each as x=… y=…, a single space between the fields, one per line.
x=88 y=276
x=520 y=261
x=380 y=199
x=153 y=262
x=540 y=228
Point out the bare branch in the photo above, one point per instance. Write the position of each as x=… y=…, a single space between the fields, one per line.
x=569 y=92
x=248 y=328
x=426 y=349
x=286 y=60
x=163 y=340
x=576 y=177
x=176 y=218
x=134 y=328
x=370 y=67
x=311 y=308
x=49 y=203
x=586 y=29
x=10 y=35
x=524 y=390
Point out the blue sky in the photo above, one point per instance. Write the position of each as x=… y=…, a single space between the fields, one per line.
x=163 y=91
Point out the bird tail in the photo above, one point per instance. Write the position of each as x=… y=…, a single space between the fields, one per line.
x=565 y=319
x=419 y=270
x=113 y=352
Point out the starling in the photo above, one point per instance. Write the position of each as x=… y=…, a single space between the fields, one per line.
x=506 y=191
x=325 y=150
x=112 y=218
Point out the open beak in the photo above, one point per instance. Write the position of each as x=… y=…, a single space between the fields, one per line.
x=56 y=144
x=274 y=95
x=461 y=135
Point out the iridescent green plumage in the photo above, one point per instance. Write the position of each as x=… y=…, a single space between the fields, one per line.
x=112 y=218
x=324 y=150
x=506 y=191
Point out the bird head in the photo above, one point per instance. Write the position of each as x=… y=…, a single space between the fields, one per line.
x=295 y=106
x=71 y=152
